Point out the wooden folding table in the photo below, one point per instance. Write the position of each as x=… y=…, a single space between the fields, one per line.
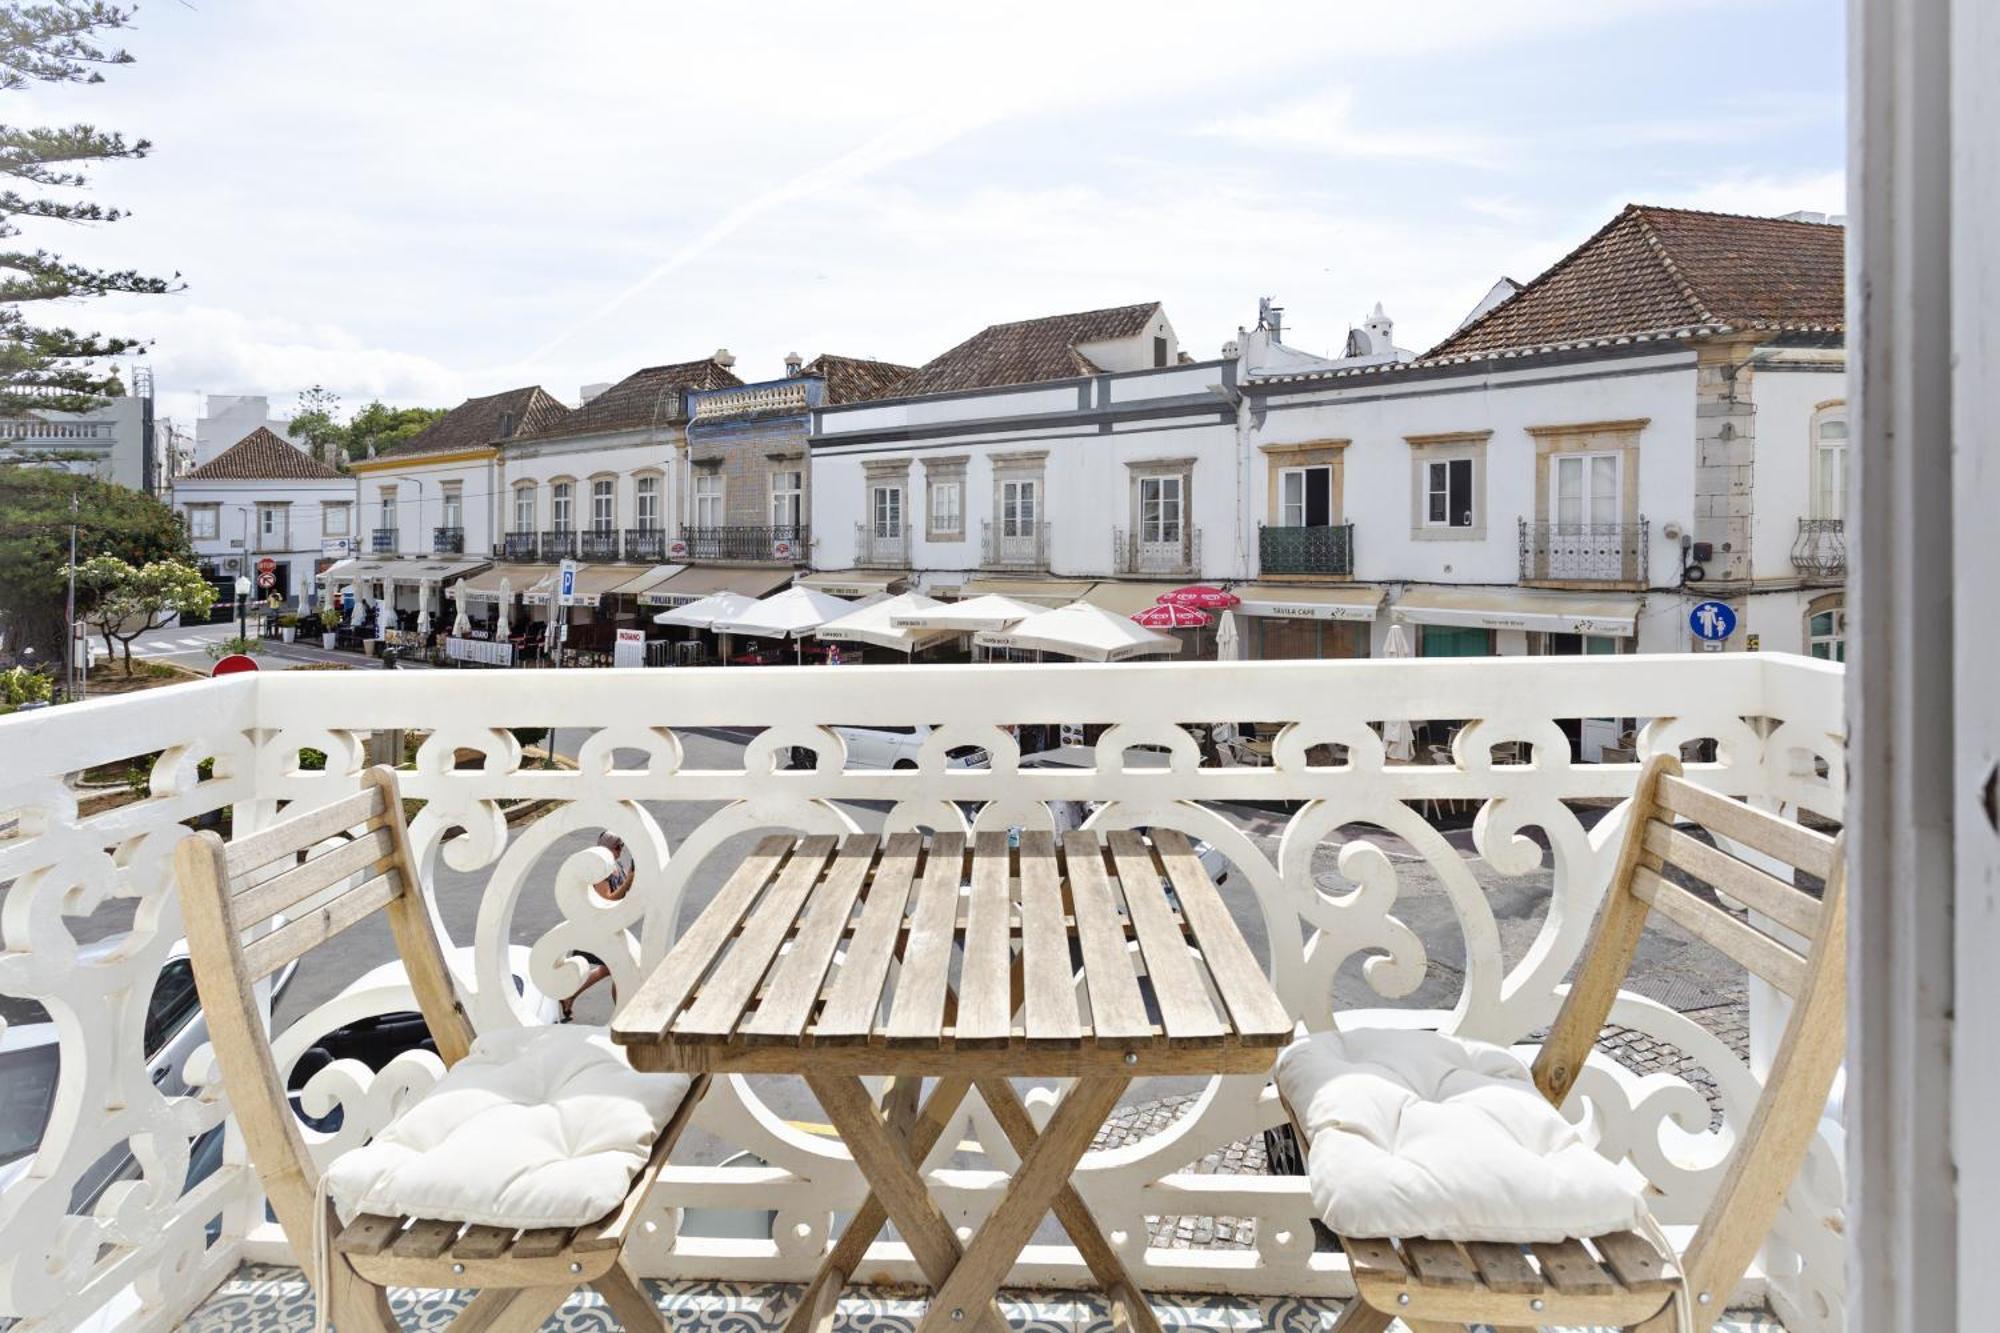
x=1099 y=960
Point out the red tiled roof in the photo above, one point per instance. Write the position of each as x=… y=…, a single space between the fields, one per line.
x=479 y=422
x=648 y=397
x=1026 y=351
x=851 y=379
x=1654 y=270
x=262 y=455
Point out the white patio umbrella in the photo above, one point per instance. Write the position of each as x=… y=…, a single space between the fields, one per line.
x=1084 y=631
x=461 y=623
x=305 y=600
x=424 y=591
x=1397 y=736
x=704 y=612
x=360 y=605
x=790 y=614
x=506 y=604
x=990 y=612
x=874 y=623
x=1228 y=644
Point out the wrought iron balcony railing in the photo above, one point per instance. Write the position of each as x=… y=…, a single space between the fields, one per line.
x=647 y=545
x=383 y=541
x=881 y=550
x=1027 y=547
x=784 y=544
x=558 y=544
x=1178 y=557
x=520 y=546
x=448 y=541
x=1327 y=550
x=1583 y=552
x=598 y=544
x=1820 y=549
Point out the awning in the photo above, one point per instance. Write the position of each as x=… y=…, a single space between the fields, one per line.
x=1511 y=608
x=412 y=570
x=640 y=583
x=485 y=585
x=855 y=583
x=1042 y=592
x=592 y=583
x=698 y=581
x=1354 y=601
x=1128 y=598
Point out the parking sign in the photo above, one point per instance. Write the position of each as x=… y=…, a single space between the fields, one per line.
x=566 y=592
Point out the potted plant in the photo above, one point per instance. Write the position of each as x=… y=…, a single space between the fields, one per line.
x=329 y=623
x=288 y=627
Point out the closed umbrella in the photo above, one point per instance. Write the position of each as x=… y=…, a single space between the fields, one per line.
x=1397 y=737
x=360 y=607
x=424 y=592
x=1228 y=645
x=461 y=623
x=506 y=605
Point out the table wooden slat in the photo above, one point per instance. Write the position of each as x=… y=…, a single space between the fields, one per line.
x=1185 y=1010
x=797 y=976
x=719 y=1006
x=1259 y=1016
x=985 y=991
x=855 y=998
x=1050 y=1016
x=1117 y=1010
x=916 y=1013
x=647 y=1015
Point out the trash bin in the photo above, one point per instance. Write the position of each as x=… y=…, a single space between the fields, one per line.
x=389 y=656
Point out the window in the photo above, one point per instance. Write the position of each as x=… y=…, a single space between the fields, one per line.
x=708 y=500
x=1448 y=492
x=1453 y=641
x=524 y=507
x=887 y=506
x=1826 y=634
x=787 y=498
x=1585 y=489
x=947 y=507
x=204 y=522
x=1018 y=508
x=560 y=514
x=173 y=1003
x=273 y=531
x=1305 y=497
x=603 y=504
x=388 y=509
x=646 y=501
x=1160 y=501
x=454 y=506
x=1829 y=463
x=335 y=520
x=1159 y=351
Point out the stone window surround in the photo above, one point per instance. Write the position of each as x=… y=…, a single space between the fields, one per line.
x=880 y=473
x=658 y=477
x=1018 y=465
x=570 y=482
x=1281 y=458
x=1591 y=437
x=1831 y=601
x=590 y=500
x=948 y=469
x=1440 y=447
x=533 y=492
x=210 y=510
x=1822 y=411
x=1138 y=469
x=341 y=509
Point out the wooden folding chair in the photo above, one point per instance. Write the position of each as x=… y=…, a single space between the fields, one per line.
x=310 y=859
x=1624 y=1279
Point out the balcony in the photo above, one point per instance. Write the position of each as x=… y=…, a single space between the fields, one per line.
x=646 y=545
x=1315 y=907
x=878 y=550
x=1820 y=550
x=1178 y=558
x=1583 y=552
x=383 y=541
x=599 y=545
x=1324 y=551
x=1024 y=548
x=784 y=544
x=448 y=541
x=559 y=544
x=520 y=547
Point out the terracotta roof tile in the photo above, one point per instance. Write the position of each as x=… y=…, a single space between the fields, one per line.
x=648 y=397
x=262 y=456
x=478 y=423
x=1653 y=270
x=1026 y=351
x=851 y=379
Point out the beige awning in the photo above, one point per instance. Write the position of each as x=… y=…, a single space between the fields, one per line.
x=855 y=583
x=1042 y=592
x=412 y=570
x=639 y=584
x=485 y=585
x=1354 y=601
x=698 y=581
x=1520 y=608
x=1128 y=598
x=592 y=583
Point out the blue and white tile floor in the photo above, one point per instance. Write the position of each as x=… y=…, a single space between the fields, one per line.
x=259 y=1299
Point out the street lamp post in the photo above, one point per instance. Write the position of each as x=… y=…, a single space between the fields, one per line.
x=243 y=607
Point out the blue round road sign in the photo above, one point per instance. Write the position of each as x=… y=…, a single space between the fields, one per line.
x=1712 y=621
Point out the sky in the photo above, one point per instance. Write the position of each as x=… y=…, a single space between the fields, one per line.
x=423 y=202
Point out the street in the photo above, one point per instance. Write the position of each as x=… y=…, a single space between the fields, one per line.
x=189 y=646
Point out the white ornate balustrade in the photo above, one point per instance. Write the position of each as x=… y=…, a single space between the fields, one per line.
x=142 y=1252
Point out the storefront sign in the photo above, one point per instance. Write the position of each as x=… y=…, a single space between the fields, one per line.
x=1310 y=610
x=630 y=648
x=482 y=652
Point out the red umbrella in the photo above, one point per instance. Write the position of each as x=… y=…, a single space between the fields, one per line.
x=1170 y=615
x=1200 y=596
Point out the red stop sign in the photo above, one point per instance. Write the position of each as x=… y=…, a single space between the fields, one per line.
x=234 y=663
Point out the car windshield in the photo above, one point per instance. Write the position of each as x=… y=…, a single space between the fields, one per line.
x=27 y=1094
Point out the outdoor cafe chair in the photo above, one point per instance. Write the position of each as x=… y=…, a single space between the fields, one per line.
x=1458 y=1189
x=519 y=1173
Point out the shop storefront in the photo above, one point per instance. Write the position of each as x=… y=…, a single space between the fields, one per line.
x=1513 y=622
x=1287 y=623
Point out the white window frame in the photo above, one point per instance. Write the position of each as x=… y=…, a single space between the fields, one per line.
x=1156 y=528
x=562 y=506
x=1829 y=463
x=204 y=522
x=1836 y=642
x=1292 y=513
x=646 y=503
x=1020 y=506
x=452 y=507
x=334 y=518
x=947 y=507
x=885 y=510
x=274 y=529
x=1439 y=470
x=390 y=520
x=788 y=498
x=525 y=503
x=1586 y=464
x=708 y=497
x=604 y=504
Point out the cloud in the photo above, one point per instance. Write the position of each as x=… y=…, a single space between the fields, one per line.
x=1762 y=195
x=1325 y=124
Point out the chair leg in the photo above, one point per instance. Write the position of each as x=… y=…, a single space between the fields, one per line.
x=626 y=1297
x=530 y=1309
x=485 y=1307
x=1358 y=1316
x=1664 y=1321
x=355 y=1304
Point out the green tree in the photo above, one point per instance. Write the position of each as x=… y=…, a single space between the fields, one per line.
x=121 y=601
x=378 y=427
x=316 y=424
x=46 y=367
x=34 y=545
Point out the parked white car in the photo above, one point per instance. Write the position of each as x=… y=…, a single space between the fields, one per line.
x=893 y=747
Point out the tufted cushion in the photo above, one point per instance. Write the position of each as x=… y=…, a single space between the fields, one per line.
x=1419 y=1134
x=536 y=1127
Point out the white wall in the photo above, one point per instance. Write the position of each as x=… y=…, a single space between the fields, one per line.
x=420 y=503
x=580 y=462
x=1786 y=403
x=237 y=532
x=227 y=417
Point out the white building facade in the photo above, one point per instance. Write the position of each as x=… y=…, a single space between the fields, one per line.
x=263 y=510
x=228 y=417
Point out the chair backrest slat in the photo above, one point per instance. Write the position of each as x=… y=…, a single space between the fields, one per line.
x=370 y=854
x=1789 y=906
x=1751 y=947
x=295 y=833
x=298 y=937
x=1794 y=844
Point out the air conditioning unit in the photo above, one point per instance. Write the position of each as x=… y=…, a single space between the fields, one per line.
x=232 y=564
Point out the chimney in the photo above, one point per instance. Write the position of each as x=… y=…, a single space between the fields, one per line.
x=724 y=357
x=1271 y=318
x=793 y=362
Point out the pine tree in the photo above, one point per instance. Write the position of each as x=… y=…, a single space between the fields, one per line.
x=46 y=367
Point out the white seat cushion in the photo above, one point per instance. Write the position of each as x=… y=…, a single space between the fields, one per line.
x=536 y=1127
x=1419 y=1134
